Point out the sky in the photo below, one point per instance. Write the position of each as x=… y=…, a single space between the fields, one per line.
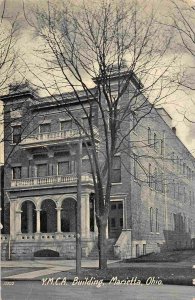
x=177 y=104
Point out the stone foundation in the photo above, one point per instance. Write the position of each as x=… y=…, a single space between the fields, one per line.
x=25 y=249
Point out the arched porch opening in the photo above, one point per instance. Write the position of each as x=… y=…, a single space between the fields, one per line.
x=48 y=216
x=68 y=215
x=28 y=217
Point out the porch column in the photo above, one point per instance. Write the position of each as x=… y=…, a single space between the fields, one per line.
x=18 y=221
x=85 y=216
x=38 y=220
x=12 y=219
x=59 y=219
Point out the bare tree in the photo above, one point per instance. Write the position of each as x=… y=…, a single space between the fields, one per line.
x=94 y=41
x=183 y=22
x=9 y=28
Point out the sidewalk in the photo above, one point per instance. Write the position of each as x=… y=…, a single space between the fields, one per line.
x=33 y=270
x=38 y=270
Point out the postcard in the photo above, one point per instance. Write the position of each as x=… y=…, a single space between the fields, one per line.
x=97 y=149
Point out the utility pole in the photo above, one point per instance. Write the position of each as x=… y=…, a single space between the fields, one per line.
x=78 y=208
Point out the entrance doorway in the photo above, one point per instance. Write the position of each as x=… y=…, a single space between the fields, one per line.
x=115 y=224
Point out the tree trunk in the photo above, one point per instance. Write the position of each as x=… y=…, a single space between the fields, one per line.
x=102 y=245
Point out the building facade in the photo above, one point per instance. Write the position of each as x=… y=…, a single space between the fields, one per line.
x=152 y=205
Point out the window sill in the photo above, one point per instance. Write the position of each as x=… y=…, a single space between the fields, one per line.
x=115 y=183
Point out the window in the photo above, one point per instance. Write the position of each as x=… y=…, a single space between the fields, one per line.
x=113 y=206
x=121 y=222
x=134 y=121
x=151 y=219
x=184 y=194
x=42 y=170
x=66 y=125
x=174 y=189
x=174 y=222
x=181 y=166
x=178 y=192
x=155 y=142
x=144 y=249
x=190 y=173
x=43 y=128
x=173 y=158
x=16 y=172
x=161 y=147
x=149 y=136
x=155 y=179
x=184 y=168
x=162 y=183
x=116 y=169
x=113 y=223
x=86 y=165
x=149 y=176
x=135 y=166
x=177 y=164
x=63 y=167
x=190 y=197
x=157 y=222
x=137 y=250
x=16 y=134
x=120 y=206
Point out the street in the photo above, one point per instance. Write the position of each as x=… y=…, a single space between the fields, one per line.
x=34 y=290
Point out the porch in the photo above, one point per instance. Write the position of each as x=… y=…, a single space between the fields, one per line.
x=51 y=217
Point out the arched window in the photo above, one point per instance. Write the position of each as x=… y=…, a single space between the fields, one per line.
x=151 y=219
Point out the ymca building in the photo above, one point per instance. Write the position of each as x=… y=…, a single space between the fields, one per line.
x=152 y=205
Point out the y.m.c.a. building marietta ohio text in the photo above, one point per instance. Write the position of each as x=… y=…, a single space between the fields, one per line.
x=152 y=205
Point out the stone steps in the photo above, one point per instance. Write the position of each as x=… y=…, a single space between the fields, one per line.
x=94 y=254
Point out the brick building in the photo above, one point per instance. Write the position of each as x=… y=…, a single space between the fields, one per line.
x=153 y=193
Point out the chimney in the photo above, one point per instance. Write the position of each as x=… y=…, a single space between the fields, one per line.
x=174 y=130
x=21 y=87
